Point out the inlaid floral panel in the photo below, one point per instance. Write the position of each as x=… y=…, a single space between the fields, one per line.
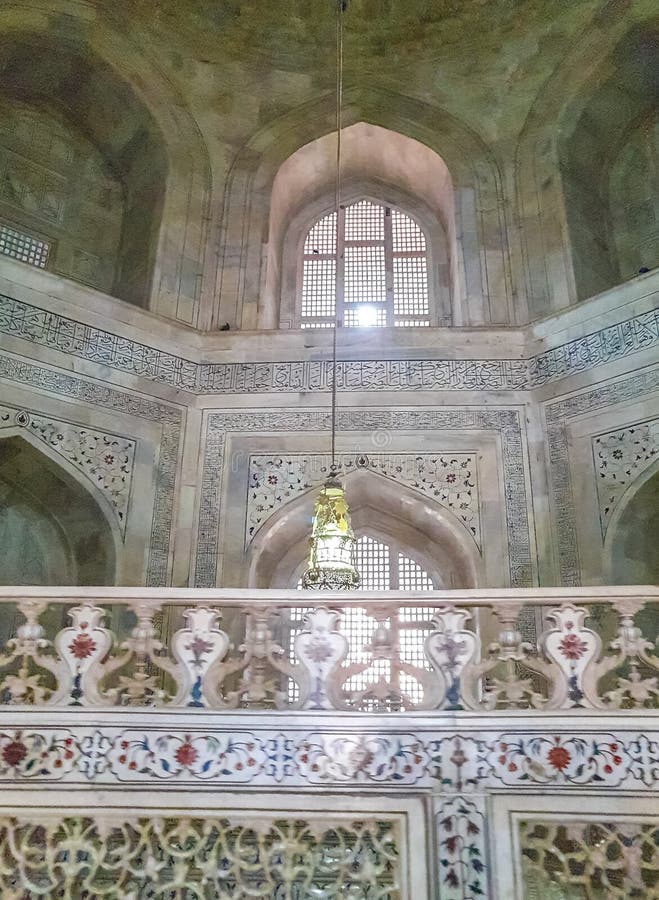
x=449 y=479
x=620 y=457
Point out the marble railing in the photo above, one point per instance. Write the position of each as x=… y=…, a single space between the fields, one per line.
x=487 y=651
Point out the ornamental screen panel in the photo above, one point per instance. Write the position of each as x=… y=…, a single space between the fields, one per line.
x=368 y=269
x=119 y=856
x=23 y=247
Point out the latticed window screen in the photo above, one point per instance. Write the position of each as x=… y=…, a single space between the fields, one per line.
x=23 y=247
x=371 y=270
x=383 y=567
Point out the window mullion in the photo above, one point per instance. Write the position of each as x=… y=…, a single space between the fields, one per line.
x=389 y=265
x=340 y=265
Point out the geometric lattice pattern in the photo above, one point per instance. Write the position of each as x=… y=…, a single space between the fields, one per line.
x=369 y=269
x=119 y=857
x=23 y=247
x=598 y=860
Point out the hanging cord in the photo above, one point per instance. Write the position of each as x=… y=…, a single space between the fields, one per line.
x=340 y=9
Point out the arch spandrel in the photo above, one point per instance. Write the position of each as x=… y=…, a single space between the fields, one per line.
x=88 y=535
x=436 y=539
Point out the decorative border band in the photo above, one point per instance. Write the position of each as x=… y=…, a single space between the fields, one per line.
x=505 y=421
x=48 y=329
x=471 y=762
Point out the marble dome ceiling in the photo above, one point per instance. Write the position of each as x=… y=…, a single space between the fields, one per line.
x=482 y=60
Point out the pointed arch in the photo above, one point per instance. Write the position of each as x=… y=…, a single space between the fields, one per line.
x=632 y=536
x=434 y=536
x=562 y=157
x=152 y=139
x=479 y=201
x=85 y=538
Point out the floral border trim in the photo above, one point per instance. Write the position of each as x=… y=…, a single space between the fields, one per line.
x=456 y=762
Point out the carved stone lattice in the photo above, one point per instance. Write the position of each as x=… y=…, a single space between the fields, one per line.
x=575 y=860
x=126 y=858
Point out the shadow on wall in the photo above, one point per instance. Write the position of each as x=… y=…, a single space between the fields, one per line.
x=83 y=166
x=634 y=539
x=609 y=162
x=52 y=531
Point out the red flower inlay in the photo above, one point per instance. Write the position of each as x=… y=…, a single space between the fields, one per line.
x=559 y=758
x=572 y=647
x=186 y=755
x=14 y=752
x=82 y=646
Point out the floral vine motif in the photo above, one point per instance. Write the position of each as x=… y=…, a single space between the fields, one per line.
x=450 y=647
x=462 y=850
x=321 y=648
x=106 y=459
x=34 y=755
x=197 y=647
x=620 y=456
x=203 y=757
x=450 y=479
x=516 y=759
x=573 y=648
x=400 y=758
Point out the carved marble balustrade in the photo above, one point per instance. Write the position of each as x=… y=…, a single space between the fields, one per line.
x=440 y=744
x=582 y=649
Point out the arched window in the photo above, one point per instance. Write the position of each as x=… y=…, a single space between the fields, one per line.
x=387 y=567
x=374 y=272
x=382 y=567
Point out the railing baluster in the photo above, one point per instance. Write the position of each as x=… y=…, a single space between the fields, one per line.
x=299 y=656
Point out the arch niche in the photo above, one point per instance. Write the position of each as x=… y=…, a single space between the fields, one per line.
x=482 y=284
x=632 y=538
x=383 y=509
x=379 y=165
x=52 y=529
x=92 y=83
x=584 y=164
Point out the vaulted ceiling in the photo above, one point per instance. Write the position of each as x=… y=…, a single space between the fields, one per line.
x=484 y=61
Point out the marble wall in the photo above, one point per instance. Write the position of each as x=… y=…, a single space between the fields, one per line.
x=508 y=458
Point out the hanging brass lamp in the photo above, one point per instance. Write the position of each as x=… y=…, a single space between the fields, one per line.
x=332 y=544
